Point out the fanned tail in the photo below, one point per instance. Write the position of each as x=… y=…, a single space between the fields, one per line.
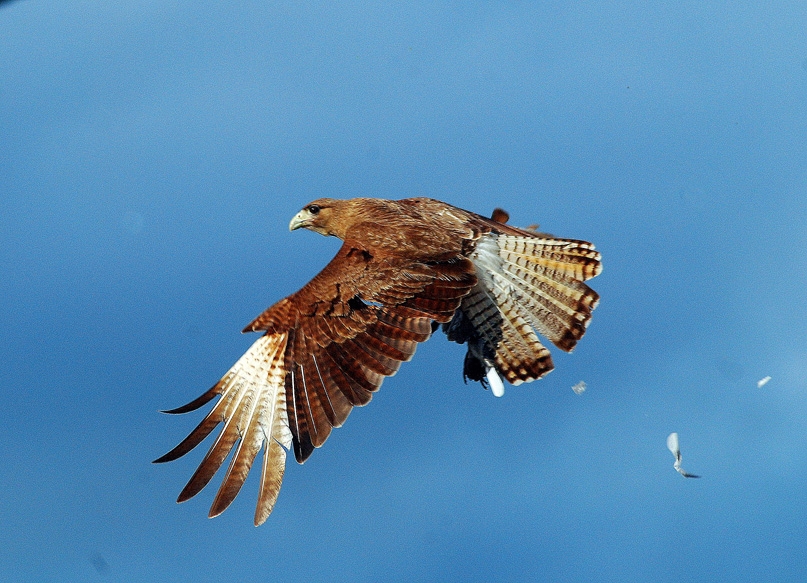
x=545 y=279
x=525 y=283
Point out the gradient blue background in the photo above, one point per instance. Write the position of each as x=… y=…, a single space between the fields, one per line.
x=151 y=156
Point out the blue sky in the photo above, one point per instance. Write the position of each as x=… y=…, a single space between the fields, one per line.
x=151 y=156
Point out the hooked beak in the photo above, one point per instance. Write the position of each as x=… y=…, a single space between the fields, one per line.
x=298 y=221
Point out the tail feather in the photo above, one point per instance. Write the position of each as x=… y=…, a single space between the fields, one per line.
x=525 y=283
x=520 y=355
x=558 y=308
x=576 y=259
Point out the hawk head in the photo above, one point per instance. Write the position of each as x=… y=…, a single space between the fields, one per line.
x=316 y=216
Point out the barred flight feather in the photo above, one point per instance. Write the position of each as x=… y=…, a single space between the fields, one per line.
x=577 y=259
x=252 y=408
x=520 y=355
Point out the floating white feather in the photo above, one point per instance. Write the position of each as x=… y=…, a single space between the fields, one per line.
x=579 y=388
x=672 y=445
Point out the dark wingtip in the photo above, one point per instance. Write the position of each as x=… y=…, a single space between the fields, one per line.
x=184 y=497
x=197 y=402
x=164 y=458
x=303 y=448
x=174 y=454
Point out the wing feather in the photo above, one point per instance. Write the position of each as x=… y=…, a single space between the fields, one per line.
x=310 y=407
x=351 y=365
x=370 y=358
x=220 y=448
x=248 y=445
x=248 y=407
x=274 y=466
x=194 y=438
x=201 y=400
x=339 y=405
x=298 y=421
x=396 y=351
x=348 y=337
x=354 y=392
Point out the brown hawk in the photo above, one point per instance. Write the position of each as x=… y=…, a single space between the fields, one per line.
x=405 y=267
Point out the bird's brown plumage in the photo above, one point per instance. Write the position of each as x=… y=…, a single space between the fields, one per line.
x=405 y=267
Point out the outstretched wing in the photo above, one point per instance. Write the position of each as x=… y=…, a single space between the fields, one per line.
x=351 y=327
x=326 y=349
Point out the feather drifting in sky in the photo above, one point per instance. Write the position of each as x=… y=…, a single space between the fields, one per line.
x=579 y=388
x=672 y=445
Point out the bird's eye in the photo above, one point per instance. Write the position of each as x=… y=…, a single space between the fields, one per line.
x=313 y=209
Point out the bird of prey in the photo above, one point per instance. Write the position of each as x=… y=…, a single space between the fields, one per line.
x=672 y=445
x=405 y=268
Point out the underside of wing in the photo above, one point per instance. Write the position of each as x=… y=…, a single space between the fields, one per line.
x=325 y=350
x=252 y=409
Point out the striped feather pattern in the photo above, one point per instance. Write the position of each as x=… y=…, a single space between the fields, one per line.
x=576 y=259
x=334 y=368
x=526 y=283
x=252 y=408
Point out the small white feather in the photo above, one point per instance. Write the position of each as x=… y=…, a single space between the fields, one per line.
x=672 y=444
x=579 y=388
